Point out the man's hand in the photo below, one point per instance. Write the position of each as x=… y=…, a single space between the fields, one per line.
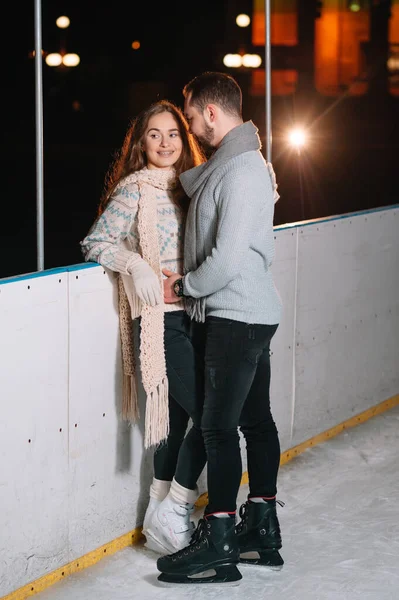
x=169 y=296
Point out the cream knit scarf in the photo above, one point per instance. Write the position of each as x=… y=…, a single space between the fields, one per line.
x=152 y=351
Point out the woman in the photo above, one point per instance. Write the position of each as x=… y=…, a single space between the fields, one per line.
x=138 y=233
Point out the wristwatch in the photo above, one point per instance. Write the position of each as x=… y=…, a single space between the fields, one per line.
x=178 y=288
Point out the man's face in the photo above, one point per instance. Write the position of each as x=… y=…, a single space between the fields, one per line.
x=198 y=126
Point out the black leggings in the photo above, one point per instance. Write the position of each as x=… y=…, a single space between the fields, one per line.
x=185 y=373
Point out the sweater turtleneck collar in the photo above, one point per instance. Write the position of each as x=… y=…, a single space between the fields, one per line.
x=240 y=139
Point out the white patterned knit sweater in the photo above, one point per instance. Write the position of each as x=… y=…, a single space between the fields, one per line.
x=119 y=223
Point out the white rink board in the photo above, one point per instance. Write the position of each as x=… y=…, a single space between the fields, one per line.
x=347 y=327
x=34 y=399
x=282 y=346
x=68 y=492
x=108 y=471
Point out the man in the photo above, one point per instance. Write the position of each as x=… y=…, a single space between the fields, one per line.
x=229 y=247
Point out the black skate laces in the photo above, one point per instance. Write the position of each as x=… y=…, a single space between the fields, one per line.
x=198 y=537
x=200 y=533
x=243 y=513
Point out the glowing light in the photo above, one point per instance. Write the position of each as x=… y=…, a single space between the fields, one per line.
x=63 y=22
x=71 y=60
x=354 y=6
x=393 y=63
x=136 y=45
x=243 y=20
x=297 y=138
x=32 y=53
x=252 y=61
x=54 y=59
x=232 y=60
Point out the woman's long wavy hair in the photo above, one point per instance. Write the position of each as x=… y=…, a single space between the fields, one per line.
x=132 y=158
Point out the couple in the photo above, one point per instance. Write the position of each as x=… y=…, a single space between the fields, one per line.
x=159 y=191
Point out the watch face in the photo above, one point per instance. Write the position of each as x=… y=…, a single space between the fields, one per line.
x=178 y=288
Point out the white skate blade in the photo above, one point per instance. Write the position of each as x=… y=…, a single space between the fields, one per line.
x=203 y=578
x=254 y=559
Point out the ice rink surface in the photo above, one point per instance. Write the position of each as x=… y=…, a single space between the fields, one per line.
x=340 y=527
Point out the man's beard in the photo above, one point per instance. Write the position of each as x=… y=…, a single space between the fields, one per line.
x=206 y=140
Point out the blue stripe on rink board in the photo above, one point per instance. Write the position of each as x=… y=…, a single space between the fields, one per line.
x=335 y=217
x=90 y=265
x=45 y=273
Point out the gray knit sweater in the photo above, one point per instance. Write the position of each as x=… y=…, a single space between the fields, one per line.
x=229 y=241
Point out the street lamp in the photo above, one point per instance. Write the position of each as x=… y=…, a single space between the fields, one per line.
x=243 y=20
x=297 y=138
x=54 y=59
x=253 y=61
x=233 y=61
x=71 y=60
x=63 y=22
x=249 y=61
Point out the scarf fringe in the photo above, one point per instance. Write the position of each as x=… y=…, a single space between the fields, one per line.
x=130 y=405
x=157 y=415
x=195 y=308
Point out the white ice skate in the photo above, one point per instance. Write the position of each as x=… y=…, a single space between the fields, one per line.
x=169 y=528
x=152 y=506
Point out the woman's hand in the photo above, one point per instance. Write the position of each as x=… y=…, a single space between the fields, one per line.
x=145 y=281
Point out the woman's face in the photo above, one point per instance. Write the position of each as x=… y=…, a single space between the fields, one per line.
x=162 y=141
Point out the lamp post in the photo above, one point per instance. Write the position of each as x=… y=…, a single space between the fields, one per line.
x=54 y=60
x=39 y=138
x=268 y=82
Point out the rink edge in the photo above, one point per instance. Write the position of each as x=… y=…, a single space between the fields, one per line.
x=134 y=537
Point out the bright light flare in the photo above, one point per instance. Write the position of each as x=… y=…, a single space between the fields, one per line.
x=63 y=22
x=243 y=20
x=297 y=138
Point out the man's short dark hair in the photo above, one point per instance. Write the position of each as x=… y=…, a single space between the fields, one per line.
x=215 y=88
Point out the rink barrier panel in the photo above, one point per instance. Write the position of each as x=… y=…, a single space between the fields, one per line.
x=61 y=377
x=134 y=537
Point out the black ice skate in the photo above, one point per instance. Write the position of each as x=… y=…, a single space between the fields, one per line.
x=259 y=534
x=213 y=547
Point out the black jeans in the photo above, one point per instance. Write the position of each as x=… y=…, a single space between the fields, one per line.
x=237 y=384
x=185 y=373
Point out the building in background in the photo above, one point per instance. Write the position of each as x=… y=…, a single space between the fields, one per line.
x=334 y=46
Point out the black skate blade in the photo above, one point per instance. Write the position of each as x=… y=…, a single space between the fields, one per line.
x=226 y=575
x=267 y=558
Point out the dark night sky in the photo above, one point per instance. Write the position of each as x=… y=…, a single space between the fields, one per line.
x=353 y=165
